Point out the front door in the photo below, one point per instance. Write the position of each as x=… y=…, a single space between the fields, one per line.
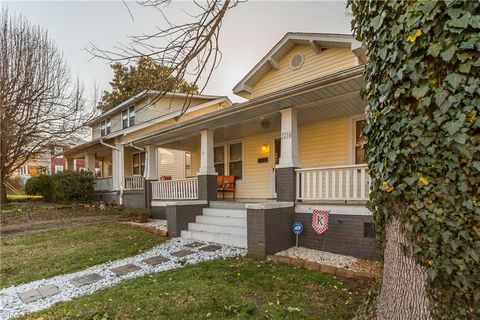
x=275 y=160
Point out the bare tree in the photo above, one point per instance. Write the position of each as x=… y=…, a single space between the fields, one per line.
x=189 y=48
x=39 y=101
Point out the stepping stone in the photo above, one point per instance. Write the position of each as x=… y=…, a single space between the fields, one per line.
x=211 y=248
x=194 y=244
x=153 y=261
x=120 y=271
x=87 y=279
x=30 y=296
x=181 y=253
x=48 y=290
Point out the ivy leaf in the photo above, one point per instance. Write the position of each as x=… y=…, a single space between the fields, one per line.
x=461 y=23
x=413 y=37
x=475 y=21
x=448 y=54
x=377 y=22
x=454 y=80
x=460 y=138
x=434 y=49
x=453 y=127
x=419 y=92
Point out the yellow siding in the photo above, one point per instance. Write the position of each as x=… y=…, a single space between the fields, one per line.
x=195 y=160
x=256 y=176
x=315 y=65
x=128 y=161
x=171 y=163
x=324 y=143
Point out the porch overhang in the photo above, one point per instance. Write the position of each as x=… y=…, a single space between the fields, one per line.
x=91 y=147
x=328 y=97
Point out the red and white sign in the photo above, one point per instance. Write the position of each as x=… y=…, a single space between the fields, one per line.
x=320 y=221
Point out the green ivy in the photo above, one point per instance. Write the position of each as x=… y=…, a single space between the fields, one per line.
x=423 y=137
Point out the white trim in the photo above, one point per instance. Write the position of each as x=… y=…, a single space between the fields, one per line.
x=226 y=157
x=334 y=209
x=160 y=203
x=274 y=136
x=351 y=135
x=269 y=205
x=58 y=169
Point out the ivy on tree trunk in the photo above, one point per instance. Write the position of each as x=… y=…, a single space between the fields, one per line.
x=423 y=152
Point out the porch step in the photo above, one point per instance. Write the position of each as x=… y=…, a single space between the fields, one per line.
x=222 y=238
x=223 y=221
x=217 y=212
x=216 y=228
x=227 y=205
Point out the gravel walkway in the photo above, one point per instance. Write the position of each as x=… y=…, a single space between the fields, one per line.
x=152 y=223
x=37 y=295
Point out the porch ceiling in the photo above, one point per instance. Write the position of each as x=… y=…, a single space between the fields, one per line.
x=338 y=97
x=94 y=147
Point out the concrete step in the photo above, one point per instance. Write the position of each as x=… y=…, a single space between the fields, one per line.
x=222 y=221
x=227 y=205
x=214 y=228
x=217 y=212
x=220 y=238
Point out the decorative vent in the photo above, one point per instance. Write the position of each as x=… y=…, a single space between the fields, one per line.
x=297 y=61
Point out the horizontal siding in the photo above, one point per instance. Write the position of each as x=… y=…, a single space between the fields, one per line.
x=171 y=163
x=164 y=106
x=315 y=65
x=96 y=131
x=324 y=143
x=128 y=161
x=195 y=160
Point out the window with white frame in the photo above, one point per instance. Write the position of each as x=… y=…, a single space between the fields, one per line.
x=235 y=160
x=58 y=150
x=359 y=142
x=219 y=160
x=128 y=118
x=138 y=163
x=58 y=169
x=105 y=127
x=188 y=164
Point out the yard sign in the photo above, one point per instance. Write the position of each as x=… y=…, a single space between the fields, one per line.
x=320 y=221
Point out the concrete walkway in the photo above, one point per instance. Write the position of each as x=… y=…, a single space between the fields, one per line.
x=38 y=295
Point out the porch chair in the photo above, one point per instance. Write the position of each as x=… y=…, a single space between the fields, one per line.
x=165 y=178
x=226 y=184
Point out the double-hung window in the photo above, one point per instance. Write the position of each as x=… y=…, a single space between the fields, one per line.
x=188 y=164
x=138 y=163
x=230 y=162
x=359 y=142
x=106 y=127
x=128 y=118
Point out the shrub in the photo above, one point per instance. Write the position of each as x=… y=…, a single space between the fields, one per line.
x=73 y=186
x=40 y=185
x=139 y=215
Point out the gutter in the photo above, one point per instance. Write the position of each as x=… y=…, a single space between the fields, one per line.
x=108 y=145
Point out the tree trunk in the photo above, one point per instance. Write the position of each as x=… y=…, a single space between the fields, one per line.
x=403 y=295
x=3 y=191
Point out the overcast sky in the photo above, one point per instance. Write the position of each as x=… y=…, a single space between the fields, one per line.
x=248 y=31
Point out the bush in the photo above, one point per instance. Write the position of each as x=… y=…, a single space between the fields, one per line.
x=73 y=186
x=40 y=185
x=139 y=215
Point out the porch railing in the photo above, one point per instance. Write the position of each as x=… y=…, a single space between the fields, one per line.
x=134 y=183
x=185 y=189
x=350 y=182
x=103 y=184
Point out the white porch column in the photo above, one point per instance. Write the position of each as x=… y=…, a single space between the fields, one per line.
x=151 y=163
x=69 y=163
x=289 y=139
x=118 y=172
x=206 y=153
x=207 y=176
x=90 y=162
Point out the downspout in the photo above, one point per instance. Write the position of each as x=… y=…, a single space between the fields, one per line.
x=120 y=200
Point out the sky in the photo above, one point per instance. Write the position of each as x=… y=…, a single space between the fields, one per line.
x=248 y=32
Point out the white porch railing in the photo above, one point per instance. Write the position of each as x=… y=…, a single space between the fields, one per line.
x=350 y=182
x=103 y=184
x=134 y=183
x=185 y=189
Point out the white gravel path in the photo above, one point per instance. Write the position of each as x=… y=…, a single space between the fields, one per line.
x=331 y=259
x=152 y=223
x=11 y=305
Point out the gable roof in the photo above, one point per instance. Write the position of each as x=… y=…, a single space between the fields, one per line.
x=318 y=41
x=142 y=95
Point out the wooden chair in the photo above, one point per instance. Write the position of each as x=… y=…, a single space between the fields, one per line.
x=226 y=184
x=165 y=178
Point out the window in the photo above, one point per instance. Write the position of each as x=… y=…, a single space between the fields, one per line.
x=219 y=160
x=128 y=118
x=138 y=163
x=235 y=162
x=58 y=169
x=359 y=142
x=188 y=164
x=106 y=127
x=58 y=150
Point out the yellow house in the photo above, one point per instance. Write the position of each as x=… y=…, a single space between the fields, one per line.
x=294 y=146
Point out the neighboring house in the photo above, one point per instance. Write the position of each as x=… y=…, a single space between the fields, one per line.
x=294 y=146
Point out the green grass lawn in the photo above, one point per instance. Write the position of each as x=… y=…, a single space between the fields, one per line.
x=235 y=288
x=42 y=255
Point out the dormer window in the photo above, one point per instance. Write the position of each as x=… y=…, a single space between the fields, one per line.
x=128 y=118
x=106 y=127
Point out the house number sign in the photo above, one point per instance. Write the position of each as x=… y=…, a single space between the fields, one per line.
x=286 y=135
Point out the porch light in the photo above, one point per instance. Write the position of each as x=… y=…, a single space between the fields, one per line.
x=265 y=148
